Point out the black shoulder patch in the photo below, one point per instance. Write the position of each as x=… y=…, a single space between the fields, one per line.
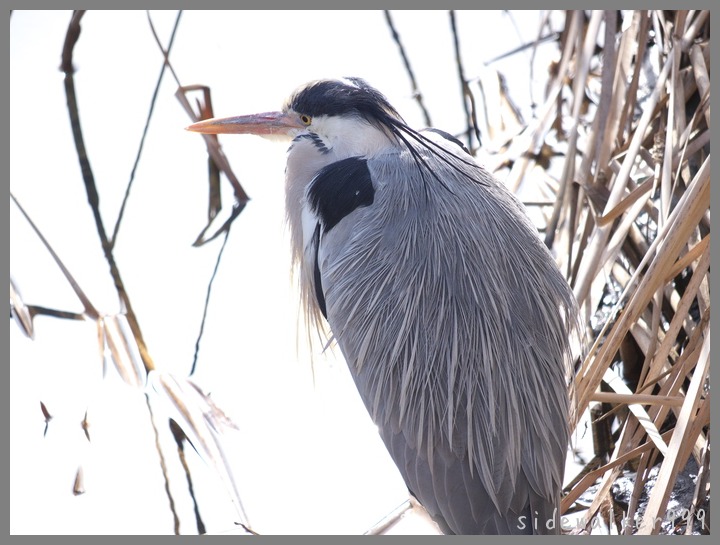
x=449 y=137
x=340 y=188
x=317 y=279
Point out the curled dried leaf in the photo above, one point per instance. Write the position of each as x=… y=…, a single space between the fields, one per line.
x=124 y=351
x=20 y=311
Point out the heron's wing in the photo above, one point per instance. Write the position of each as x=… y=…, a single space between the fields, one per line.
x=448 y=309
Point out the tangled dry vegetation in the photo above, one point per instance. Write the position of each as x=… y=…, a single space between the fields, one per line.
x=626 y=126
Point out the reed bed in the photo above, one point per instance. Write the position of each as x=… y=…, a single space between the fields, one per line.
x=626 y=121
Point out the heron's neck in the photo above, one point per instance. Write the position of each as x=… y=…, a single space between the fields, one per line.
x=306 y=156
x=311 y=151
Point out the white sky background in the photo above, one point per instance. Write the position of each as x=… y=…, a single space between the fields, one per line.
x=307 y=458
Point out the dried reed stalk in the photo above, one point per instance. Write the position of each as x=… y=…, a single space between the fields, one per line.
x=637 y=228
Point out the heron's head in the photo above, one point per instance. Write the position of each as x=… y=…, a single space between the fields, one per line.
x=345 y=115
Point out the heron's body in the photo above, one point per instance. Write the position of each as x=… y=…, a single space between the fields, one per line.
x=449 y=310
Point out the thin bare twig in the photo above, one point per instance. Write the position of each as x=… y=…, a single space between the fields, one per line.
x=153 y=100
x=180 y=439
x=163 y=466
x=553 y=36
x=36 y=310
x=467 y=98
x=89 y=309
x=207 y=302
x=415 y=90
x=166 y=52
x=71 y=39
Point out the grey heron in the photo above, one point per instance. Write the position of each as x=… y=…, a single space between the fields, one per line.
x=451 y=313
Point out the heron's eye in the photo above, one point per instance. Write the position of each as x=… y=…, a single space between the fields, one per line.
x=305 y=119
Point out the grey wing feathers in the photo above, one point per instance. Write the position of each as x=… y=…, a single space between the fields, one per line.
x=456 y=277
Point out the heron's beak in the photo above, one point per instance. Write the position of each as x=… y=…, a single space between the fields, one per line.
x=265 y=124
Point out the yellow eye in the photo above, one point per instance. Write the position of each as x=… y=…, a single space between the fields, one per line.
x=305 y=119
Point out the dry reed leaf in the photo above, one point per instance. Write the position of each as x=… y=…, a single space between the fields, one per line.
x=691 y=256
x=592 y=257
x=89 y=309
x=669 y=242
x=47 y=416
x=701 y=76
x=637 y=399
x=615 y=382
x=119 y=340
x=20 y=311
x=79 y=482
x=592 y=476
x=625 y=204
x=682 y=310
x=218 y=162
x=681 y=436
x=675 y=379
x=607 y=481
x=702 y=488
x=202 y=422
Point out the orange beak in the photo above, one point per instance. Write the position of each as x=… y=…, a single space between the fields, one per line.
x=264 y=124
